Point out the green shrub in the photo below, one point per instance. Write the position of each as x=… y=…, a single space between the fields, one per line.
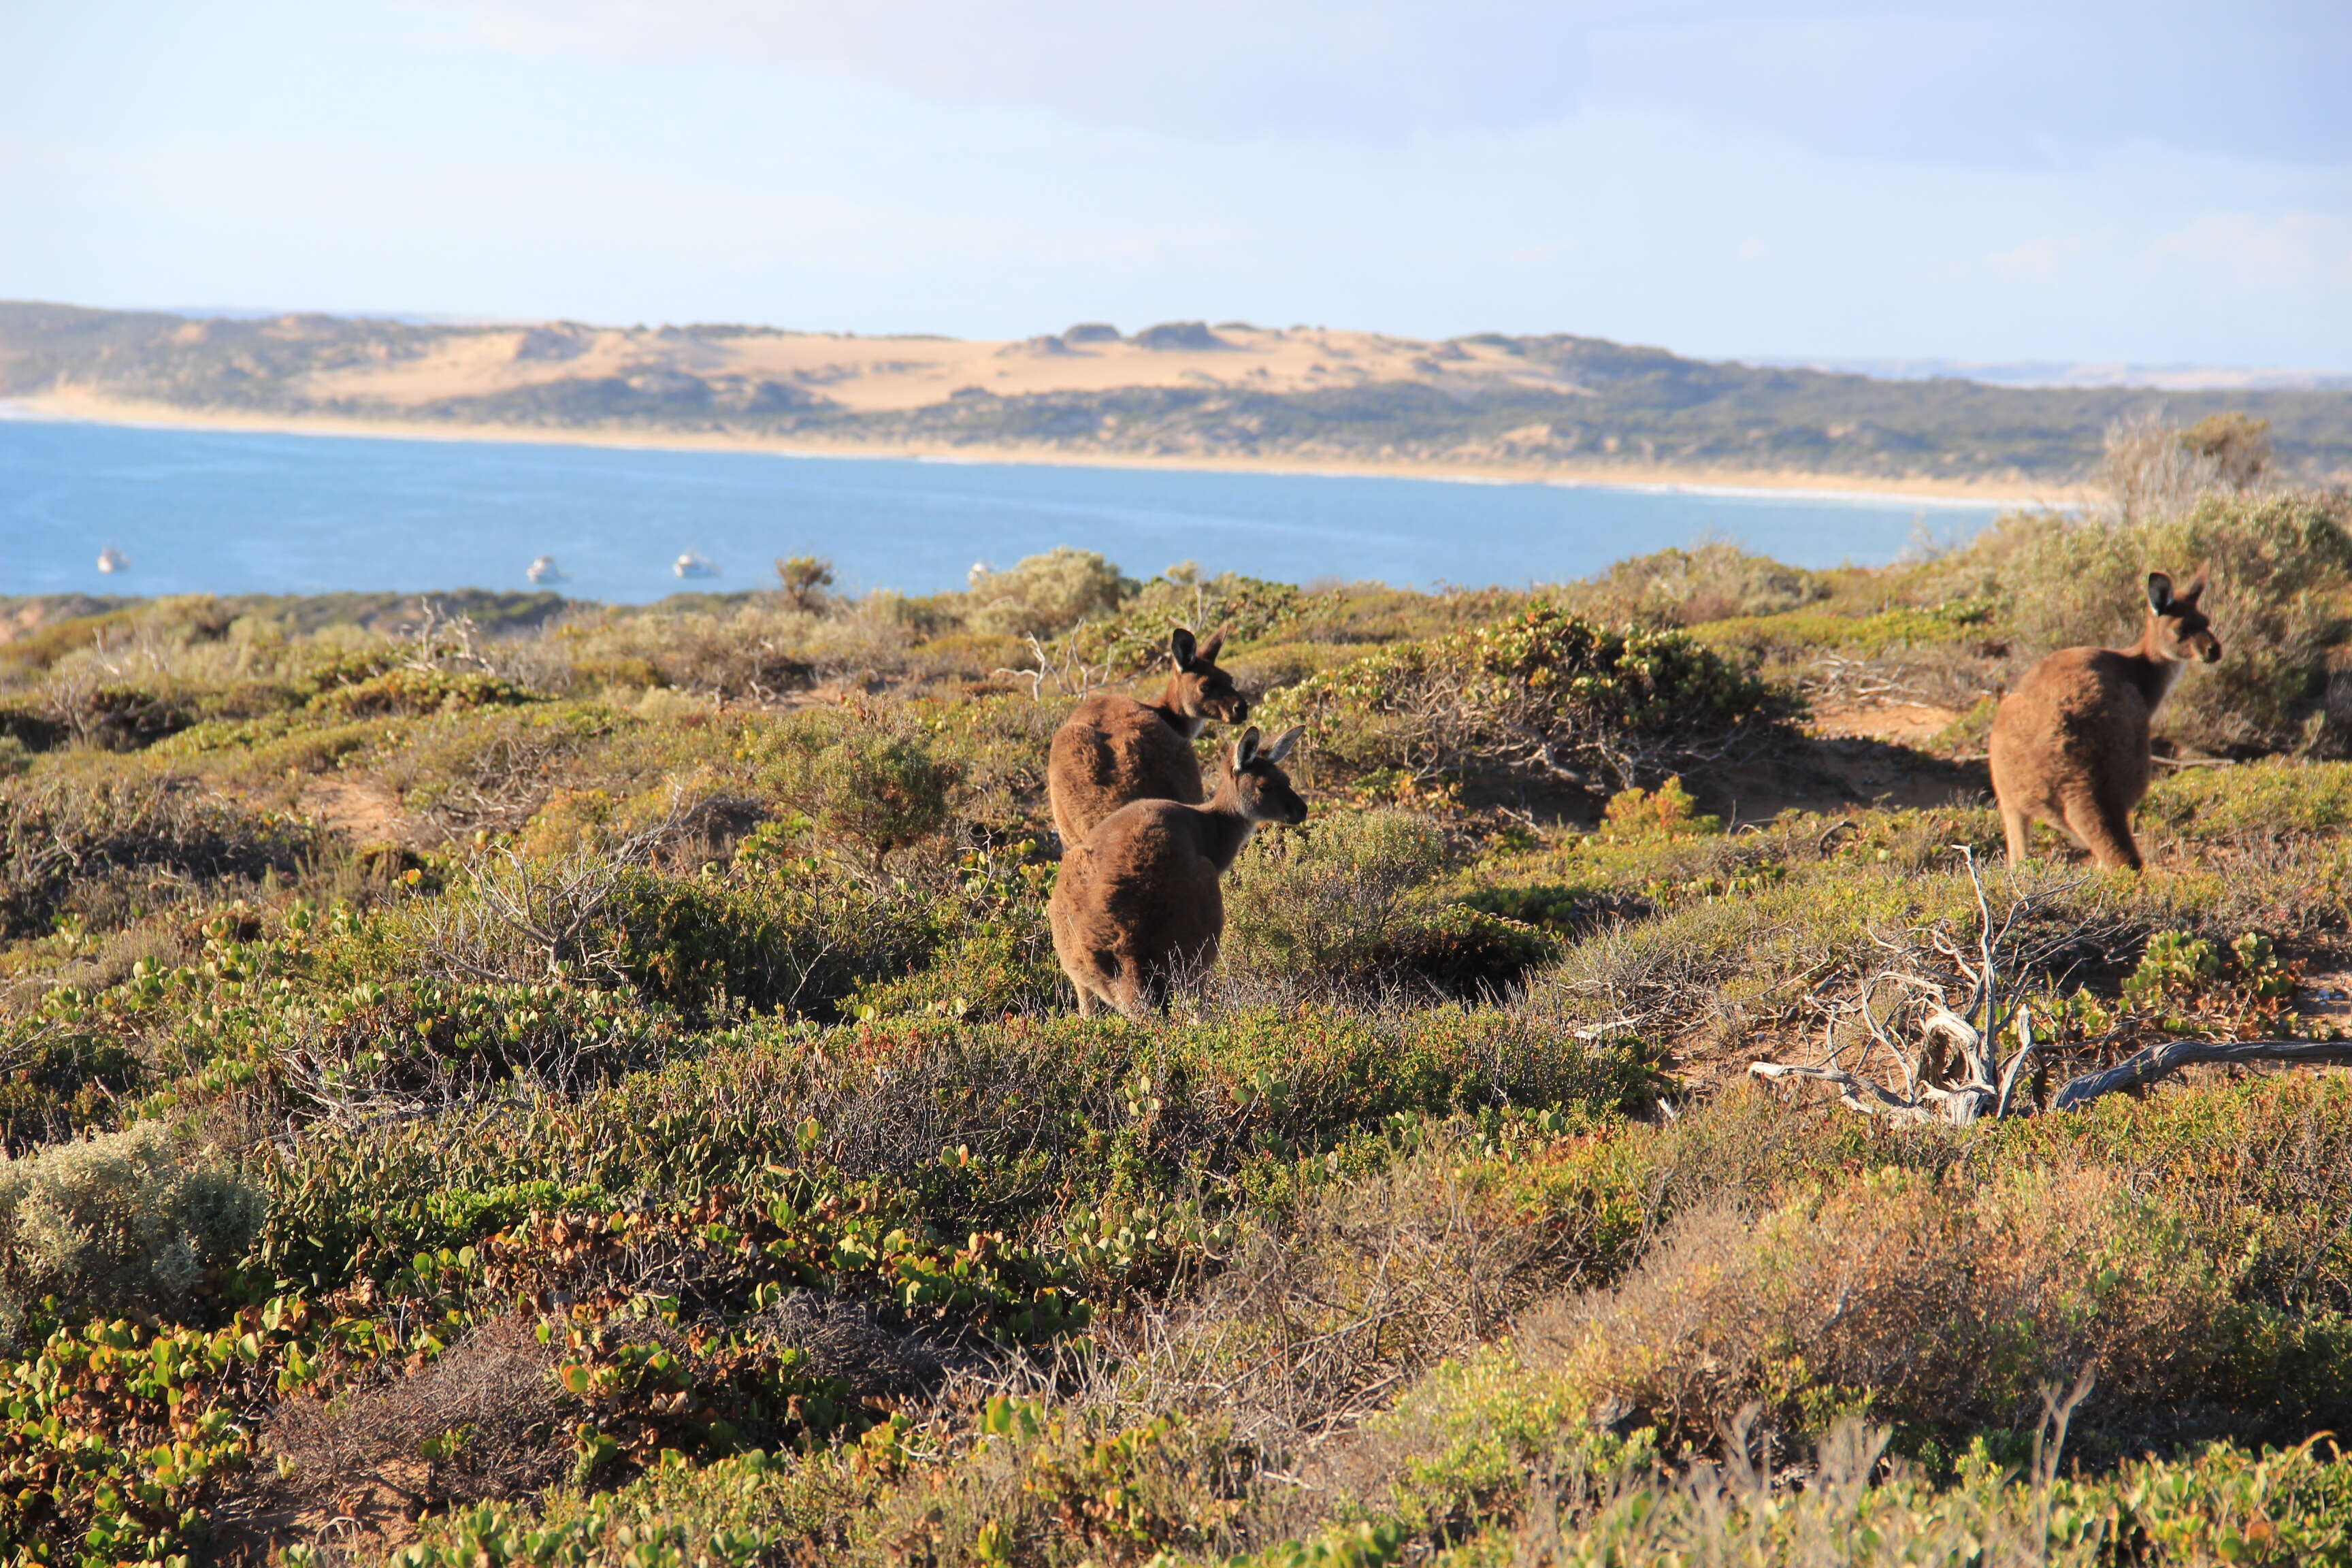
x=883 y=792
x=106 y=847
x=1135 y=639
x=1809 y=631
x=1344 y=907
x=1043 y=594
x=1573 y=1497
x=792 y=936
x=1666 y=812
x=1677 y=588
x=995 y=968
x=117 y=1226
x=405 y=690
x=1541 y=694
x=2268 y=797
x=734 y=1512
x=803 y=945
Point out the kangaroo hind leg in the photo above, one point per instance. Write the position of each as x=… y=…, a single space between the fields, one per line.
x=2018 y=829
x=2105 y=831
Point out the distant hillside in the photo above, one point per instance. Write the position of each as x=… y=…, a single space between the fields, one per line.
x=1178 y=390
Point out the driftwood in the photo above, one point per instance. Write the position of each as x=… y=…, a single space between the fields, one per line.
x=2145 y=1066
x=1954 y=1072
x=2136 y=1072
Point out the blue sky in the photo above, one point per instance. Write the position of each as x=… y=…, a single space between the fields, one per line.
x=2154 y=183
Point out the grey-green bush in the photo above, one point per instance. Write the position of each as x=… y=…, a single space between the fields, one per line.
x=1045 y=594
x=2278 y=564
x=1708 y=582
x=1343 y=906
x=123 y=1225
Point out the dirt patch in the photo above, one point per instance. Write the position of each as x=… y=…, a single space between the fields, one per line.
x=362 y=812
x=1905 y=723
x=2324 y=1000
x=1835 y=773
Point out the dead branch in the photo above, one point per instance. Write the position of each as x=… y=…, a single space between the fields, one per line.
x=1859 y=1094
x=2147 y=1066
x=1072 y=675
x=1953 y=1071
x=440 y=641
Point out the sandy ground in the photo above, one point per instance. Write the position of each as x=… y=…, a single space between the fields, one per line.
x=869 y=374
x=1904 y=723
x=85 y=406
x=365 y=812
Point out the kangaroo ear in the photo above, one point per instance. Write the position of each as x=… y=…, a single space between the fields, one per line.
x=2159 y=591
x=2196 y=586
x=1179 y=644
x=1246 y=749
x=1283 y=742
x=1215 y=646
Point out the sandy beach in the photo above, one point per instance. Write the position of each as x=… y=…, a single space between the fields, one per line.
x=99 y=409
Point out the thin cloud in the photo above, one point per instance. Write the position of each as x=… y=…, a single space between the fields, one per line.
x=2045 y=257
x=1998 y=84
x=2265 y=250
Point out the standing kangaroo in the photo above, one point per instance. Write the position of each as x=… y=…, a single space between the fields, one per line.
x=1137 y=905
x=1114 y=749
x=2070 y=745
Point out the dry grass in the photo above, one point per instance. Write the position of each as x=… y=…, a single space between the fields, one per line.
x=1938 y=1303
x=485 y=1420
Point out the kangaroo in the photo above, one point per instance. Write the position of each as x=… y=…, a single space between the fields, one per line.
x=1137 y=905
x=1114 y=749
x=2070 y=745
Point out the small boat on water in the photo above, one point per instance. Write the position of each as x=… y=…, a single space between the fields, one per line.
x=692 y=564
x=111 y=561
x=545 y=570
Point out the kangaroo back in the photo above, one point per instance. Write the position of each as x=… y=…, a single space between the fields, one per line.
x=2071 y=744
x=1139 y=906
x=1114 y=749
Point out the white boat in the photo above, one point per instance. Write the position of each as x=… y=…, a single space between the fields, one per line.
x=545 y=570
x=111 y=561
x=691 y=564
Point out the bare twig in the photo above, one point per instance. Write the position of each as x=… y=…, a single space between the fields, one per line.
x=1860 y=1094
x=1071 y=675
x=440 y=641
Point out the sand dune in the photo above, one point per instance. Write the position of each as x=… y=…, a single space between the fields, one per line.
x=869 y=374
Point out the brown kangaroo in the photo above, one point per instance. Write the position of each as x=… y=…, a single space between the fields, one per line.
x=2070 y=745
x=1114 y=749
x=1137 y=906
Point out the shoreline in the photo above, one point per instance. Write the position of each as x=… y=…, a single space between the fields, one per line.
x=1773 y=484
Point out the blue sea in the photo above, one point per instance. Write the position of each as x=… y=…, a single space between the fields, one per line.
x=233 y=512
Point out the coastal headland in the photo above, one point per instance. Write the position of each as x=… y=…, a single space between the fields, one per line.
x=1491 y=407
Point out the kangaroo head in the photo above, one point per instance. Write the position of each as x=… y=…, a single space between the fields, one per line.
x=1255 y=773
x=1199 y=689
x=2177 y=629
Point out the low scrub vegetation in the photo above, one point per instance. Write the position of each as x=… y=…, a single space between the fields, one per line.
x=564 y=1085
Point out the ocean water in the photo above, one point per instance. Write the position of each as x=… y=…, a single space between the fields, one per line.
x=219 y=512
